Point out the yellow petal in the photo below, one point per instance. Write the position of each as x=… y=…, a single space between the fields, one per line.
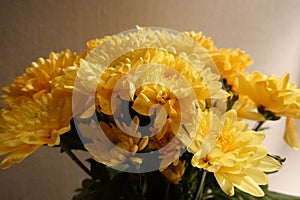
x=246 y=184
x=252 y=116
x=225 y=184
x=291 y=133
x=268 y=164
x=142 y=104
x=257 y=175
x=18 y=156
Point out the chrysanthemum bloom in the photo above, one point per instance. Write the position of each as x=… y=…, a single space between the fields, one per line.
x=167 y=74
x=225 y=147
x=274 y=94
x=35 y=122
x=230 y=62
x=39 y=77
x=174 y=172
x=204 y=85
x=155 y=71
x=119 y=144
x=146 y=47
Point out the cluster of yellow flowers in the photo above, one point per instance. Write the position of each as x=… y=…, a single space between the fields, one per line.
x=39 y=107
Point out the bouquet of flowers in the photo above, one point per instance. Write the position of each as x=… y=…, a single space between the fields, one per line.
x=163 y=115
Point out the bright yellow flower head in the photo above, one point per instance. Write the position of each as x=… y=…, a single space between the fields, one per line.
x=203 y=88
x=35 y=122
x=160 y=67
x=225 y=147
x=274 y=94
x=39 y=77
x=230 y=62
x=155 y=71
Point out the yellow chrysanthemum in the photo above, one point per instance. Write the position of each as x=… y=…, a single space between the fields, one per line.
x=121 y=146
x=226 y=148
x=274 y=94
x=204 y=85
x=39 y=77
x=147 y=47
x=35 y=122
x=174 y=172
x=230 y=62
x=153 y=71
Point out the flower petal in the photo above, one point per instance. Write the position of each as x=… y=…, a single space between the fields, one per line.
x=268 y=164
x=246 y=184
x=291 y=133
x=225 y=184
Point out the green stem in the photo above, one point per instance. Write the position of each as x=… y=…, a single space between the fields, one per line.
x=142 y=186
x=167 y=191
x=201 y=186
x=75 y=159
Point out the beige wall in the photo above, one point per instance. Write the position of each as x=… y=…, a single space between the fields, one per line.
x=267 y=30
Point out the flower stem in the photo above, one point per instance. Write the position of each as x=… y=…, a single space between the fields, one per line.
x=167 y=191
x=201 y=186
x=75 y=159
x=259 y=125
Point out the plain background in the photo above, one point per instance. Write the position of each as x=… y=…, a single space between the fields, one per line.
x=267 y=30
